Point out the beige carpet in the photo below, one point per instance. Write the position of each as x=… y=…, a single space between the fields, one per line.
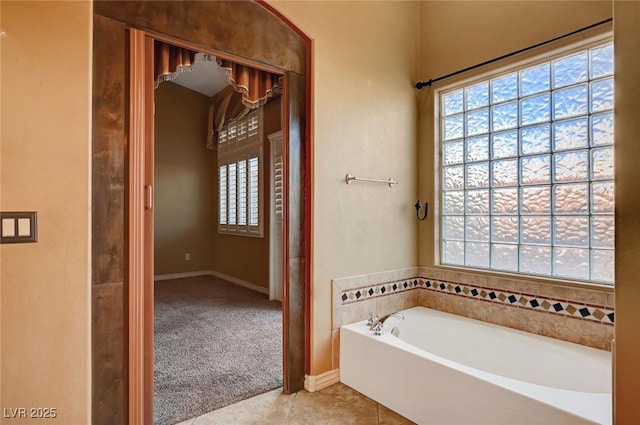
x=215 y=343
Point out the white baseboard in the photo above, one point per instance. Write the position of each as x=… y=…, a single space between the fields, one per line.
x=182 y=275
x=313 y=383
x=215 y=274
x=240 y=282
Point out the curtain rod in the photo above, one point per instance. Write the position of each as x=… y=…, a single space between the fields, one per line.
x=421 y=84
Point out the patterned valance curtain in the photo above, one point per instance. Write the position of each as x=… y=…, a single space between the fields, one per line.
x=250 y=87
x=171 y=61
x=255 y=85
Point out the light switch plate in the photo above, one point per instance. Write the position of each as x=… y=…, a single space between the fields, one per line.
x=19 y=227
x=24 y=227
x=8 y=227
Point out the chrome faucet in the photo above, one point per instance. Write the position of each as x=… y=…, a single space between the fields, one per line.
x=378 y=326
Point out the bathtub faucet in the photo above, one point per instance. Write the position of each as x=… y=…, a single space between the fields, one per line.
x=378 y=326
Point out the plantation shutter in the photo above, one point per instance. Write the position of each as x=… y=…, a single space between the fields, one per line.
x=239 y=176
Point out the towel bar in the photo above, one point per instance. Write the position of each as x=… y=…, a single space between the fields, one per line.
x=390 y=181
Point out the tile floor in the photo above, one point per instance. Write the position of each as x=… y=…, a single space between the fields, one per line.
x=335 y=405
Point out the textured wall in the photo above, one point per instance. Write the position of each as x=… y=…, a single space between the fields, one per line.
x=46 y=76
x=364 y=113
x=45 y=286
x=247 y=258
x=627 y=107
x=184 y=181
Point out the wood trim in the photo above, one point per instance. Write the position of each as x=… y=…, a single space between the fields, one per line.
x=108 y=220
x=308 y=183
x=308 y=201
x=171 y=276
x=286 y=384
x=240 y=282
x=136 y=227
x=149 y=111
x=215 y=52
x=313 y=383
x=297 y=246
x=217 y=24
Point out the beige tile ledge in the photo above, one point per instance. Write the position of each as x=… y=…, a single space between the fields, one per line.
x=363 y=280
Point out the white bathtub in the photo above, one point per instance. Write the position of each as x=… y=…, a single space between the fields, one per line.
x=447 y=369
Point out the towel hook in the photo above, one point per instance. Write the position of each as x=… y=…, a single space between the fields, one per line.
x=418 y=205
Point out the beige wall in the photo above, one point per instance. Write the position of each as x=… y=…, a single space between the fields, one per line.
x=242 y=257
x=1 y=204
x=365 y=61
x=627 y=107
x=46 y=69
x=364 y=114
x=184 y=180
x=186 y=193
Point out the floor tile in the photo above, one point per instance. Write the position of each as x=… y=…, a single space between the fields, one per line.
x=335 y=405
x=247 y=412
x=389 y=417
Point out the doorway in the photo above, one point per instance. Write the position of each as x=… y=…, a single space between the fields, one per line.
x=121 y=335
x=217 y=336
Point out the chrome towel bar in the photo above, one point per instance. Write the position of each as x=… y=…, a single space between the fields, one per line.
x=390 y=181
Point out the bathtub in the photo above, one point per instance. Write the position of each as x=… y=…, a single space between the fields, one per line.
x=448 y=369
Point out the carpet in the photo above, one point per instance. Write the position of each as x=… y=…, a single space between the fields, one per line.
x=215 y=343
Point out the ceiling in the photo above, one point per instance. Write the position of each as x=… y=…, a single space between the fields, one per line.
x=206 y=78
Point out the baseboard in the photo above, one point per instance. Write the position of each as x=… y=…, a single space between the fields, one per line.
x=182 y=275
x=313 y=383
x=240 y=282
x=215 y=274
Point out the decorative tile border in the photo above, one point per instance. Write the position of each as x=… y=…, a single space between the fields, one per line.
x=377 y=290
x=597 y=313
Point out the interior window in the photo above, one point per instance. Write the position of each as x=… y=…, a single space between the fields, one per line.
x=527 y=169
x=239 y=176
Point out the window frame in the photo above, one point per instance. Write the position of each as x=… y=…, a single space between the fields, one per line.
x=489 y=73
x=235 y=151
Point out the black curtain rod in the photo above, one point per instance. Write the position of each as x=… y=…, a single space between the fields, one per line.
x=419 y=85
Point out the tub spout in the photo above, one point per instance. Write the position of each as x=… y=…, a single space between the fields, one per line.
x=378 y=325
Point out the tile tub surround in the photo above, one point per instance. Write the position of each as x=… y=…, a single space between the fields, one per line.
x=357 y=296
x=581 y=315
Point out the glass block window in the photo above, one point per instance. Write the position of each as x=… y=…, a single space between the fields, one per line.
x=527 y=170
x=240 y=177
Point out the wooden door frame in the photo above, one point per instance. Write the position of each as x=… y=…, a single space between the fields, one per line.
x=140 y=229
x=122 y=280
x=139 y=223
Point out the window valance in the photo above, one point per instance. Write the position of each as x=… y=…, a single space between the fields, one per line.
x=254 y=85
x=249 y=88
x=170 y=61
